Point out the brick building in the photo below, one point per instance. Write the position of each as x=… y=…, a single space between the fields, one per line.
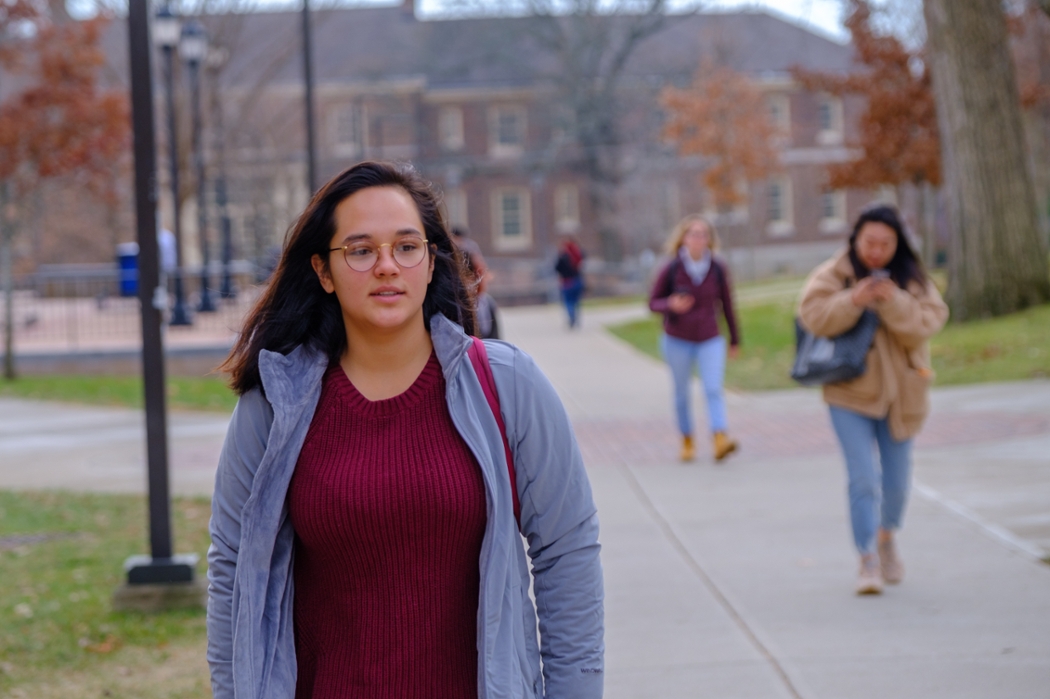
x=472 y=103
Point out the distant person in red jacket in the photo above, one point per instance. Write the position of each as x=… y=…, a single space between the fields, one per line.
x=690 y=292
x=569 y=267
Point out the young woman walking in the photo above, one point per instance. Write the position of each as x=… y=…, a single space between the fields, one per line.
x=364 y=535
x=887 y=404
x=690 y=292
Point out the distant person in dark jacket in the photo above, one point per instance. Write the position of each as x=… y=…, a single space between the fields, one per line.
x=487 y=317
x=690 y=292
x=569 y=267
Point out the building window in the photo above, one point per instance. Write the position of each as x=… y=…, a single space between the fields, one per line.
x=829 y=117
x=833 y=211
x=450 y=128
x=780 y=207
x=567 y=208
x=456 y=208
x=779 y=113
x=345 y=130
x=512 y=229
x=733 y=214
x=506 y=130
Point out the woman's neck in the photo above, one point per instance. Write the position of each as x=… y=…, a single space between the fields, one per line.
x=384 y=365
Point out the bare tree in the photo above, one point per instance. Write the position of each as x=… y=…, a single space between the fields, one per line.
x=998 y=260
x=591 y=44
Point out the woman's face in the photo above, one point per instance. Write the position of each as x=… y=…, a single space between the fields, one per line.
x=386 y=297
x=697 y=239
x=876 y=245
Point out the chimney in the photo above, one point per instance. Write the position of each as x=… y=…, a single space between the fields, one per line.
x=408 y=7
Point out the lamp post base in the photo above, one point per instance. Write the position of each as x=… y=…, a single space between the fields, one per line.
x=206 y=304
x=160 y=584
x=179 y=314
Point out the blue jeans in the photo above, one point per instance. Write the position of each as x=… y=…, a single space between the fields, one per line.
x=877 y=496
x=570 y=296
x=709 y=358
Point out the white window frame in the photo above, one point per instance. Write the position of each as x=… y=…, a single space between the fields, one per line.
x=567 y=208
x=830 y=134
x=835 y=222
x=501 y=241
x=450 y=128
x=738 y=215
x=499 y=148
x=782 y=222
x=345 y=124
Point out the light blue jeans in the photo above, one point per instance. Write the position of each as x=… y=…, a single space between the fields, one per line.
x=709 y=358
x=877 y=496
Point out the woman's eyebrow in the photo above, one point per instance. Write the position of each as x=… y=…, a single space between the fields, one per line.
x=354 y=237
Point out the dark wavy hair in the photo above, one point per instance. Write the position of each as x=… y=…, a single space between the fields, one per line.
x=905 y=265
x=295 y=310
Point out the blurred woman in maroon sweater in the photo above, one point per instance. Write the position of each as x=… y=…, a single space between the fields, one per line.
x=690 y=292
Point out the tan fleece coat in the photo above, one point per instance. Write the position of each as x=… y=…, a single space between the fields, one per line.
x=896 y=382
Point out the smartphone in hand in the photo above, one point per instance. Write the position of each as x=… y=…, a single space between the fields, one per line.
x=880 y=274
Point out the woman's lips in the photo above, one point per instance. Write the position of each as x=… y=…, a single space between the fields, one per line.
x=387 y=293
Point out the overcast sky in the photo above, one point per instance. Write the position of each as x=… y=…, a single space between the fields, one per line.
x=822 y=14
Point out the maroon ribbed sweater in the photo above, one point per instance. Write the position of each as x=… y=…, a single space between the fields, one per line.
x=389 y=511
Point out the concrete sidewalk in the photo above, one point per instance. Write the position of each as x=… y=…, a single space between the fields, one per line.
x=735 y=580
x=731 y=580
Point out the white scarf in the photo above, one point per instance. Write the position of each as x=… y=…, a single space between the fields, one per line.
x=696 y=269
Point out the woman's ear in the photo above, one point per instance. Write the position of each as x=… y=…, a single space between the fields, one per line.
x=324 y=275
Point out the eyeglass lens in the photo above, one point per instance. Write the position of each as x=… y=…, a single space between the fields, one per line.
x=407 y=252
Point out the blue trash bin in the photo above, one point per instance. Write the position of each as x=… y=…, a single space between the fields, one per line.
x=128 y=264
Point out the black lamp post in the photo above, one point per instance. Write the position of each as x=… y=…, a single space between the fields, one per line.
x=193 y=47
x=308 y=98
x=160 y=580
x=217 y=57
x=166 y=30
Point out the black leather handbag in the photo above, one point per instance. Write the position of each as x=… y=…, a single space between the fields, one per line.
x=821 y=360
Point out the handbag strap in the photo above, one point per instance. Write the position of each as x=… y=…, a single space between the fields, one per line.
x=480 y=359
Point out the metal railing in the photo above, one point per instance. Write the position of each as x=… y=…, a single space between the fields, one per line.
x=76 y=308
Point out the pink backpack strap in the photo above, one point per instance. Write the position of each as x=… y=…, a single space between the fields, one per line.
x=480 y=359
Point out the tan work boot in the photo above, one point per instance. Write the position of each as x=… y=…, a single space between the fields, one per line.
x=724 y=446
x=688 y=449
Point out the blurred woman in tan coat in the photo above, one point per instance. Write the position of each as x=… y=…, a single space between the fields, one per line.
x=887 y=404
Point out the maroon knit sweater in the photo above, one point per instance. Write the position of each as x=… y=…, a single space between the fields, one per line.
x=389 y=511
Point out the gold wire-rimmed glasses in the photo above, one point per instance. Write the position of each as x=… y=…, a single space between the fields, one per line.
x=362 y=256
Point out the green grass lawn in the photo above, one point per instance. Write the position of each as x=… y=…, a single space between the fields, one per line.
x=205 y=393
x=55 y=611
x=1009 y=348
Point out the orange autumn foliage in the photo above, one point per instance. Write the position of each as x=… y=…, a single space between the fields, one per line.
x=722 y=116
x=899 y=140
x=61 y=122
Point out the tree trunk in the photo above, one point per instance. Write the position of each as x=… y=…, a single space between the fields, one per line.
x=927 y=221
x=7 y=275
x=997 y=259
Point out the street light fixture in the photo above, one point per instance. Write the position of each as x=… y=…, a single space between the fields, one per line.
x=166 y=31
x=193 y=47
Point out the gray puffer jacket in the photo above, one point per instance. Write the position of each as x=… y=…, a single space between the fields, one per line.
x=251 y=645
